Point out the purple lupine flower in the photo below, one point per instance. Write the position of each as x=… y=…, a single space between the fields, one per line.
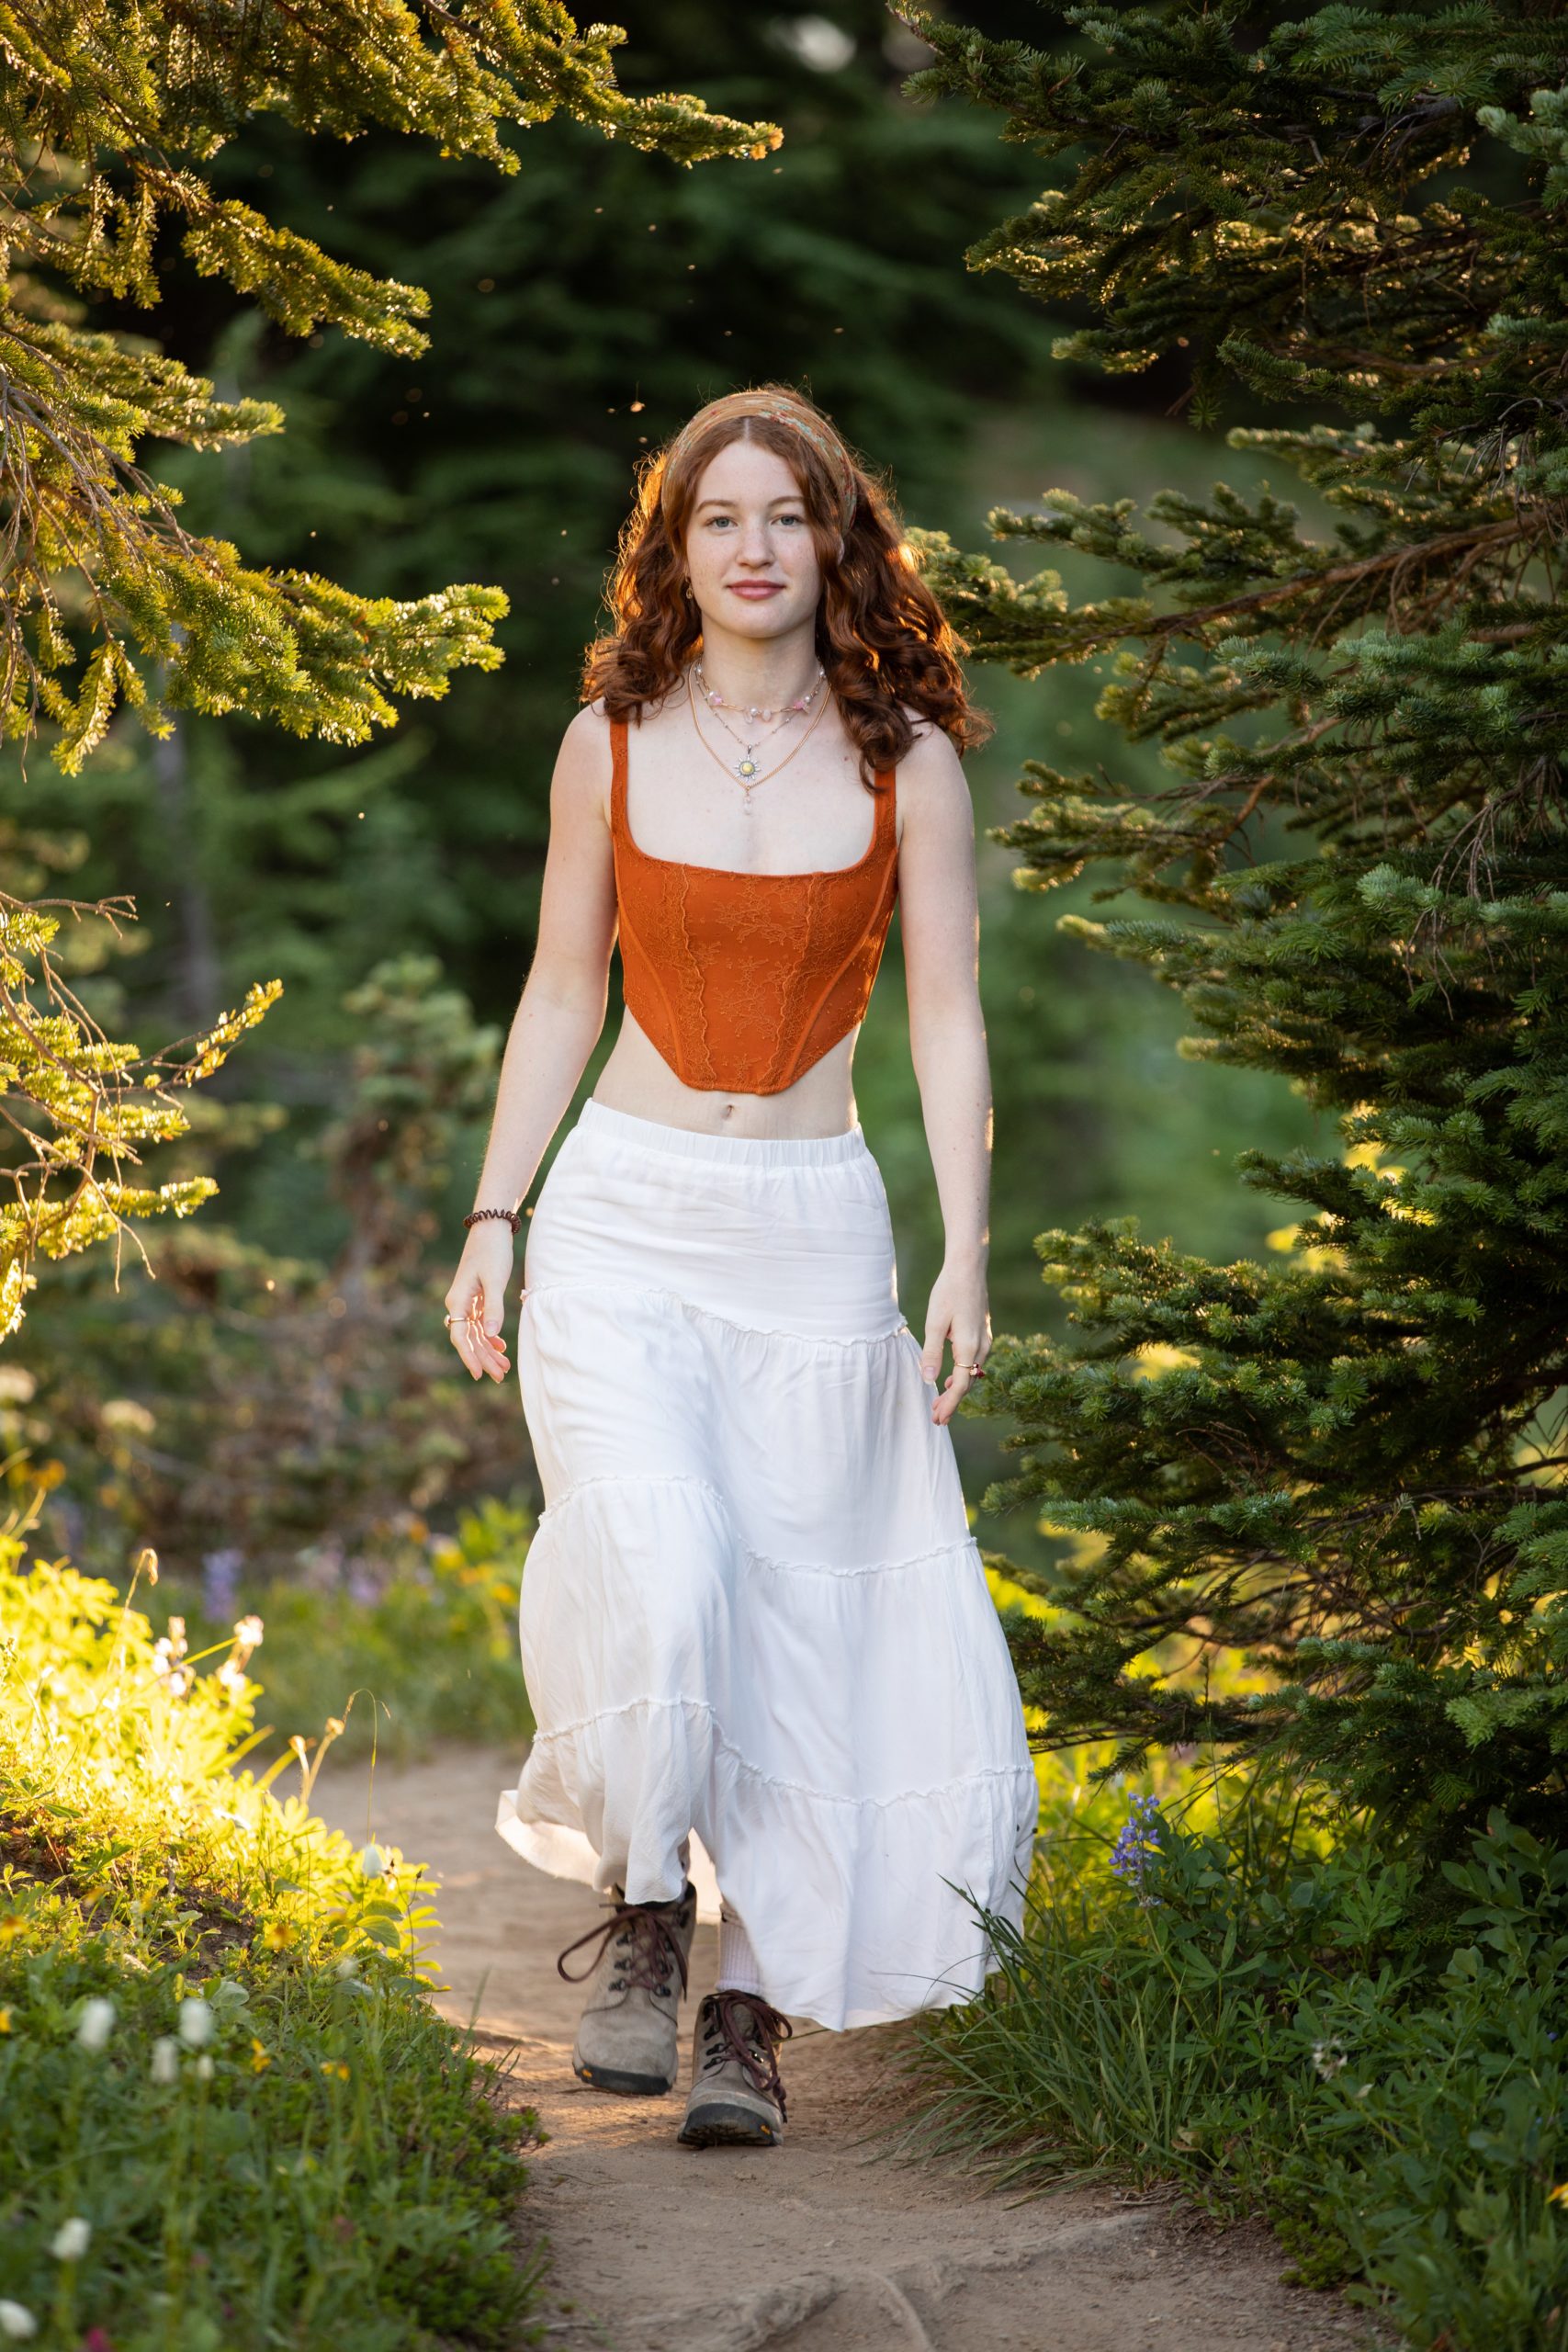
x=1140 y=1838
x=220 y=1579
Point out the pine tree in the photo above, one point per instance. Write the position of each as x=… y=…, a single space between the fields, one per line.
x=1350 y=1464
x=110 y=119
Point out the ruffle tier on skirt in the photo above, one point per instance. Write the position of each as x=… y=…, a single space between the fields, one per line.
x=752 y=1609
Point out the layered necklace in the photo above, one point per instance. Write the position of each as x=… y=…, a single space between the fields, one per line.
x=771 y=722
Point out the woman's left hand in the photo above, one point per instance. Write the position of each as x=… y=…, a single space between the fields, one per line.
x=958 y=1314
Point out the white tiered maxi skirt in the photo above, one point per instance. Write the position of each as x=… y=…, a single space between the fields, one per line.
x=755 y=1625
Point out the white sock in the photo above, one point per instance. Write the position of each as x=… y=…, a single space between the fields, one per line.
x=737 y=1962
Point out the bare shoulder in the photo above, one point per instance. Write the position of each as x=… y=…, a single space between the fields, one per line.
x=586 y=746
x=589 y=730
x=580 y=789
x=933 y=792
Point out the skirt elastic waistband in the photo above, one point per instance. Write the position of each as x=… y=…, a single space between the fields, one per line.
x=739 y=1151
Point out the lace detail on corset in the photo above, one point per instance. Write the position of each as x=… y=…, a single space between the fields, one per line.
x=688 y=976
x=794 y=974
x=742 y=981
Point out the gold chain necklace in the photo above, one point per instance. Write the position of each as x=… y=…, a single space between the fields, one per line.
x=749 y=783
x=746 y=765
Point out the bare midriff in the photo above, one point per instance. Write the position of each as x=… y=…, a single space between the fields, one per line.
x=638 y=1079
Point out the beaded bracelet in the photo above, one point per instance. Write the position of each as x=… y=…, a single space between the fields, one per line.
x=512 y=1219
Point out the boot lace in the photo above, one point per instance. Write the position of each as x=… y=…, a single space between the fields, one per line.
x=647 y=1951
x=744 y=2027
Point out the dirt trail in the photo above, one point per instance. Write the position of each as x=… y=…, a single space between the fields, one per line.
x=821 y=2245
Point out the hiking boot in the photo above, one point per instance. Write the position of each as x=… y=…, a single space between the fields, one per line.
x=628 y=2039
x=737 y=2099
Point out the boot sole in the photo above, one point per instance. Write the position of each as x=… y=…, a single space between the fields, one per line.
x=723 y=2126
x=611 y=2078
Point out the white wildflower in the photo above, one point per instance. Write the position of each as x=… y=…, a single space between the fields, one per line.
x=128 y=1416
x=347 y=1966
x=195 y=2022
x=71 y=2240
x=248 y=1636
x=168 y=1651
x=16 y=2321
x=1329 y=2057
x=96 y=2024
x=204 y=2068
x=165 y=2060
x=373 y=1862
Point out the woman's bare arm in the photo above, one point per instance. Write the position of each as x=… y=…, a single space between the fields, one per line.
x=557 y=1024
x=941 y=924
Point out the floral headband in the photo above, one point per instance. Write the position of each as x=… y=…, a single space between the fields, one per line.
x=826 y=443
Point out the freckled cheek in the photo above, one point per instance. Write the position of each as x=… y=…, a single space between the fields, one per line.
x=712 y=567
x=801 y=569
x=704 y=567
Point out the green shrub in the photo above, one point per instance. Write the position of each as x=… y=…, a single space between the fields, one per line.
x=228 y=2115
x=1284 y=2030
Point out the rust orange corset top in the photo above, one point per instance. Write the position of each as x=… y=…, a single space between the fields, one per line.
x=743 y=980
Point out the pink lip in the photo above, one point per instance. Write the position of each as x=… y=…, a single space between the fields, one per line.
x=756 y=589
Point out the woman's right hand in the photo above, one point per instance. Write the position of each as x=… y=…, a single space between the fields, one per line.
x=476 y=1303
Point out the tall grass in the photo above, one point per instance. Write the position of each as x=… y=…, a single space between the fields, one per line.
x=1281 y=2028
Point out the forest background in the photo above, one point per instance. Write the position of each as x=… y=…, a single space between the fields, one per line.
x=1301 y=1896
x=276 y=1405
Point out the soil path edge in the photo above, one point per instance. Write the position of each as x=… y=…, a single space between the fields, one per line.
x=826 y=2244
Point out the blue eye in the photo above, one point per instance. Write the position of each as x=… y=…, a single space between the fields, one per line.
x=728 y=522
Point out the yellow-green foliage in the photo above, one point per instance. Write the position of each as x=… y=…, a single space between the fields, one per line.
x=85 y=1106
x=229 y=2116
x=125 y=1757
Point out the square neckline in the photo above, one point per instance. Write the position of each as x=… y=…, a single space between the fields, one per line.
x=620 y=804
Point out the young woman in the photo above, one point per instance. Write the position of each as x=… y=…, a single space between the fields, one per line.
x=761 y=1657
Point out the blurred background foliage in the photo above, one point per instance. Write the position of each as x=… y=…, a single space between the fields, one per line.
x=277 y=1405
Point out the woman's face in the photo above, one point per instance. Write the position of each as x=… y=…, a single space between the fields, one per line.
x=749 y=549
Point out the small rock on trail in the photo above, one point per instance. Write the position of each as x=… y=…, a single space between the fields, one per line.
x=826 y=2244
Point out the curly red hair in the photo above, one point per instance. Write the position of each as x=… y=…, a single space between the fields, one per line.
x=881 y=634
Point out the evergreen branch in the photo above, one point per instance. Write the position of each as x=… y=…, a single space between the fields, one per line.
x=97 y=1104
x=109 y=116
